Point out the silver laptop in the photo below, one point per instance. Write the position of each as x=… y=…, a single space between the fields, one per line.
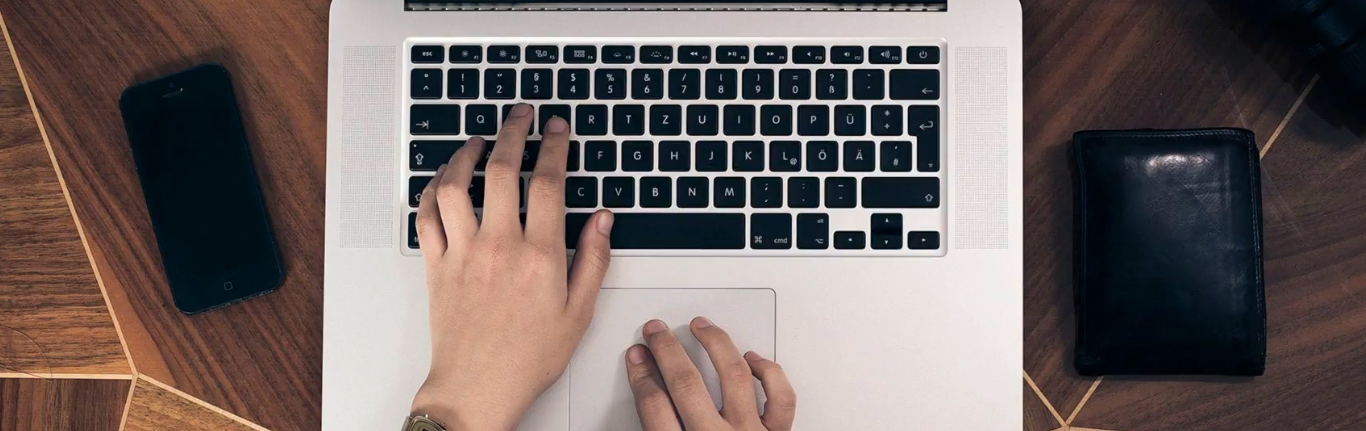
x=837 y=185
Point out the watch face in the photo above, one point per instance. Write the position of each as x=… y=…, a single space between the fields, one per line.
x=421 y=423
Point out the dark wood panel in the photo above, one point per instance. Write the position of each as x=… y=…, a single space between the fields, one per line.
x=260 y=359
x=1117 y=65
x=156 y=409
x=62 y=405
x=53 y=318
x=1036 y=414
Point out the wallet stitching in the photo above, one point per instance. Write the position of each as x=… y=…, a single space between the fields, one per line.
x=1083 y=344
x=1254 y=188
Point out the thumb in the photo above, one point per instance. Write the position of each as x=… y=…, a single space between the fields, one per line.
x=591 y=259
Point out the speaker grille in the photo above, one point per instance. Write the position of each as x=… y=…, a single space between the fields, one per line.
x=368 y=146
x=980 y=166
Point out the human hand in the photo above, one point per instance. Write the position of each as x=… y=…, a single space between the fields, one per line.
x=670 y=394
x=506 y=313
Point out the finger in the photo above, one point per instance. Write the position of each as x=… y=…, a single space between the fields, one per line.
x=653 y=405
x=545 y=193
x=431 y=235
x=781 y=406
x=591 y=259
x=685 y=384
x=739 y=405
x=453 y=193
x=502 y=175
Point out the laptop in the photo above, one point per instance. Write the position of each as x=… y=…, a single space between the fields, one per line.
x=838 y=185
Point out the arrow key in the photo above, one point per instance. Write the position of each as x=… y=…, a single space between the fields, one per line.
x=813 y=231
x=914 y=84
x=922 y=240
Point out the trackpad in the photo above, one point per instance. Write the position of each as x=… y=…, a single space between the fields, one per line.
x=600 y=395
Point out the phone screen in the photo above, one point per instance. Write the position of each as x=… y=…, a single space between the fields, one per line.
x=200 y=187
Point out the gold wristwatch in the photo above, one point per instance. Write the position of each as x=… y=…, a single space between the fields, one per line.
x=422 y=423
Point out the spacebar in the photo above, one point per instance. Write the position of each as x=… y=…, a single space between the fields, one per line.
x=666 y=231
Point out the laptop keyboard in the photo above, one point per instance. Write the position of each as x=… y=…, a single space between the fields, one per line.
x=732 y=147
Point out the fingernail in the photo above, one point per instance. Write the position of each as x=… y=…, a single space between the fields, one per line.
x=636 y=354
x=521 y=109
x=753 y=356
x=701 y=322
x=556 y=125
x=605 y=223
x=654 y=326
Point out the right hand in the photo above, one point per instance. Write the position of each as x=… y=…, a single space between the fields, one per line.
x=670 y=394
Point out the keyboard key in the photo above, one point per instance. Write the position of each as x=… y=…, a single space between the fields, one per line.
x=813 y=231
x=694 y=54
x=915 y=84
x=785 y=156
x=434 y=119
x=581 y=192
x=730 y=192
x=618 y=54
x=803 y=192
x=896 y=156
x=590 y=120
x=766 y=192
x=722 y=84
x=922 y=240
x=609 y=84
x=832 y=84
x=464 y=84
x=850 y=120
x=739 y=120
x=923 y=123
x=850 y=240
x=507 y=115
x=666 y=231
x=500 y=83
x=428 y=54
x=530 y=151
x=637 y=156
x=711 y=156
x=692 y=192
x=481 y=120
x=822 y=156
x=656 y=54
x=770 y=54
x=808 y=55
x=574 y=156
x=467 y=54
x=732 y=54
x=869 y=84
x=656 y=192
x=573 y=84
x=859 y=156
x=794 y=84
x=840 y=192
x=886 y=241
x=758 y=84
x=703 y=120
x=505 y=54
x=666 y=120
x=618 y=192
x=580 y=54
x=770 y=231
x=886 y=120
x=775 y=120
x=813 y=120
x=542 y=54
x=846 y=55
x=484 y=158
x=412 y=232
x=551 y=111
x=647 y=84
x=884 y=55
x=429 y=155
x=628 y=120
x=885 y=223
x=426 y=84
x=537 y=84
x=922 y=55
x=600 y=156
x=748 y=156
x=675 y=156
x=900 y=192
x=685 y=84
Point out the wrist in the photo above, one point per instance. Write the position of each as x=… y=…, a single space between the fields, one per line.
x=458 y=413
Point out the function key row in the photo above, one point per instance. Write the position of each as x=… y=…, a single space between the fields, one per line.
x=667 y=54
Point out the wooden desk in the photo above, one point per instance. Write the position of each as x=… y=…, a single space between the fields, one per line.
x=1088 y=65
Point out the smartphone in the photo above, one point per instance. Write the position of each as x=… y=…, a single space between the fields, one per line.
x=201 y=190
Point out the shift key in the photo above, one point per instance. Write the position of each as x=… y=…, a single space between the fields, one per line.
x=429 y=155
x=900 y=192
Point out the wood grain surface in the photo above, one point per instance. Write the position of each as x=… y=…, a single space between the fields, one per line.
x=53 y=318
x=61 y=405
x=156 y=409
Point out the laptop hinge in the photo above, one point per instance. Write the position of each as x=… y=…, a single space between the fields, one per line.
x=719 y=6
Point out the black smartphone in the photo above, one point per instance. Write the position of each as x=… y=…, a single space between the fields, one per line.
x=201 y=190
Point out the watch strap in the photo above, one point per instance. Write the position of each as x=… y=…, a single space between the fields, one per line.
x=422 y=423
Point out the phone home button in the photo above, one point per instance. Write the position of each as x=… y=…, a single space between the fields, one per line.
x=227 y=285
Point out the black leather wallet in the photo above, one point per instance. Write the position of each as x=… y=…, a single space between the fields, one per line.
x=1169 y=256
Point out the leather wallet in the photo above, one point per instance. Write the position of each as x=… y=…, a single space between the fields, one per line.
x=1169 y=253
